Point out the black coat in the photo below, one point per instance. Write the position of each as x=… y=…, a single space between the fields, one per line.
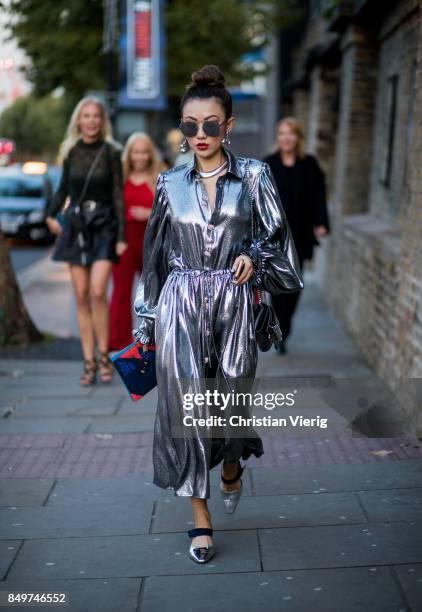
x=303 y=195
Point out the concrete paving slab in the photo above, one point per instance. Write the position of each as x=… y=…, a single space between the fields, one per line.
x=121 y=424
x=86 y=595
x=132 y=556
x=48 y=367
x=131 y=489
x=75 y=520
x=259 y=512
x=31 y=463
x=113 y=440
x=25 y=491
x=32 y=425
x=8 y=551
x=336 y=566
x=311 y=360
x=35 y=441
x=349 y=590
x=48 y=386
x=48 y=407
x=115 y=388
x=343 y=477
x=96 y=458
x=410 y=577
x=341 y=545
x=149 y=402
x=392 y=505
x=137 y=408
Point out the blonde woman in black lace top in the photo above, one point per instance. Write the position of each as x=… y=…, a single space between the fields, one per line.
x=91 y=231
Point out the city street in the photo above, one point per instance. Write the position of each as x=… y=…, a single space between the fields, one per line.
x=274 y=143
x=329 y=520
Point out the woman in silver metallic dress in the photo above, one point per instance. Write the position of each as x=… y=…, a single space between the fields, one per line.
x=202 y=259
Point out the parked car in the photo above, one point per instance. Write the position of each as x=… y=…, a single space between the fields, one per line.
x=25 y=190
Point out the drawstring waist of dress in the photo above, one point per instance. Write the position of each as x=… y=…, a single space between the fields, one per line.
x=201 y=271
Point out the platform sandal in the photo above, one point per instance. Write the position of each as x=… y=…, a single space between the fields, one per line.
x=106 y=368
x=89 y=375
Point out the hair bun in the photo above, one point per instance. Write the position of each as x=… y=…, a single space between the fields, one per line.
x=208 y=76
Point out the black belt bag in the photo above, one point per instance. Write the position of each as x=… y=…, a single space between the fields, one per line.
x=95 y=213
x=92 y=214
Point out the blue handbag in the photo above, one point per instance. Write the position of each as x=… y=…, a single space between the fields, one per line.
x=136 y=368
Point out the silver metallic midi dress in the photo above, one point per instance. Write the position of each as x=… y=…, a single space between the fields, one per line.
x=201 y=322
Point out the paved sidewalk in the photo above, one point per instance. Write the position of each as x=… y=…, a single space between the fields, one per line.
x=49 y=298
x=330 y=519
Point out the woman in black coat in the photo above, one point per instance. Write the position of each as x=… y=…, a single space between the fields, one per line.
x=301 y=185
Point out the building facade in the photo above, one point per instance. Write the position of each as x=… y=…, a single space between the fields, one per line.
x=356 y=86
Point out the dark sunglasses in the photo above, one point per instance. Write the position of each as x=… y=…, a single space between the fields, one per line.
x=190 y=128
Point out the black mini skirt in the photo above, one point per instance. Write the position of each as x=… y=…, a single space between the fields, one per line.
x=84 y=247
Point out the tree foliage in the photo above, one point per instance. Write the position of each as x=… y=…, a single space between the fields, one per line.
x=63 y=39
x=36 y=125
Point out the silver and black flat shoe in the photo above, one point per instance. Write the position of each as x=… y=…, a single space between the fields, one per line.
x=231 y=498
x=201 y=554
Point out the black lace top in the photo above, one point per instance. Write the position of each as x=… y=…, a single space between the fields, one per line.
x=106 y=184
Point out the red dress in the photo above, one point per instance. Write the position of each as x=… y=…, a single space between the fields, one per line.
x=129 y=265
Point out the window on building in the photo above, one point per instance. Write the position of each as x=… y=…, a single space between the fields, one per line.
x=386 y=161
x=409 y=126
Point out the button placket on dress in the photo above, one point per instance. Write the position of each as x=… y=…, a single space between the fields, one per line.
x=207 y=279
x=206 y=317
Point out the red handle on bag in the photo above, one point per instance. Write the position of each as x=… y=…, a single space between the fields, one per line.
x=257 y=297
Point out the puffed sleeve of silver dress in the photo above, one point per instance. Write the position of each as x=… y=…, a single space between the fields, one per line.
x=272 y=249
x=155 y=268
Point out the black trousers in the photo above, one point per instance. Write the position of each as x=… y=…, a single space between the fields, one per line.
x=285 y=305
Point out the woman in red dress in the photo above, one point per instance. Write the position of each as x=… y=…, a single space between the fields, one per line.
x=141 y=165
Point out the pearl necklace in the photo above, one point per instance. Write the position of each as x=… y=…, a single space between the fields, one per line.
x=211 y=173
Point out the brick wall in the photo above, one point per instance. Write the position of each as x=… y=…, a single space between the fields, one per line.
x=408 y=339
x=301 y=97
x=355 y=122
x=322 y=121
x=371 y=264
x=398 y=41
x=301 y=107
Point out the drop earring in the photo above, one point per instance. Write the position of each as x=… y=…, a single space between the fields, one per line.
x=226 y=139
x=184 y=146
